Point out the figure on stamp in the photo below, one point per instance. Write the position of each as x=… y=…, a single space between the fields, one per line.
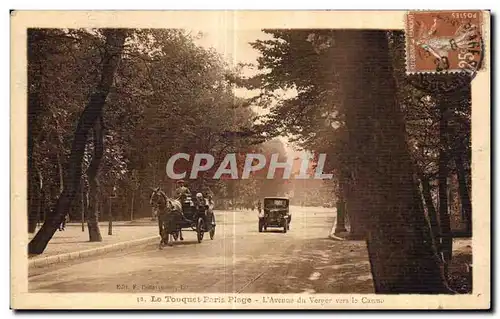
x=440 y=46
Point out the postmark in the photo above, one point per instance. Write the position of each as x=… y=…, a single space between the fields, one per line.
x=444 y=42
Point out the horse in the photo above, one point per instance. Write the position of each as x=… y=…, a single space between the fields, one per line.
x=169 y=216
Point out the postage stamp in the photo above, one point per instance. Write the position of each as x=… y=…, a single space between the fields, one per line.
x=250 y=160
x=444 y=41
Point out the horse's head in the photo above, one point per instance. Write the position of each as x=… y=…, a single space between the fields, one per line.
x=158 y=198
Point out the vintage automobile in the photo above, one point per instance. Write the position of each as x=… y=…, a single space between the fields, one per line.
x=276 y=213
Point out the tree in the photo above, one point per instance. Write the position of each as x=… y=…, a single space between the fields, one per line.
x=35 y=109
x=113 y=48
x=313 y=118
x=402 y=257
x=92 y=218
x=62 y=68
x=361 y=92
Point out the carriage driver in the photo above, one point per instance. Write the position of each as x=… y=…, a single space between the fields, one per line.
x=182 y=192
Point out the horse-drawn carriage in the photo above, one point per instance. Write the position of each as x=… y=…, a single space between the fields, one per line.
x=175 y=215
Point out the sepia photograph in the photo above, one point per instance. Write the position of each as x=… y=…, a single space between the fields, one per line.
x=238 y=160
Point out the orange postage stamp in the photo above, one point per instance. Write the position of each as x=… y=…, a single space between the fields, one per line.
x=444 y=41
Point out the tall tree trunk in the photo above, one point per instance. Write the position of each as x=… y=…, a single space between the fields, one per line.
x=93 y=212
x=402 y=256
x=61 y=175
x=44 y=202
x=110 y=216
x=463 y=189
x=115 y=39
x=84 y=203
x=429 y=203
x=132 y=205
x=357 y=227
x=444 y=214
x=340 y=225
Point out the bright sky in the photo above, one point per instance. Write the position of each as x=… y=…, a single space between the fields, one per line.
x=235 y=47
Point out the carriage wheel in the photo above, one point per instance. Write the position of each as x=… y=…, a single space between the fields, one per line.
x=199 y=229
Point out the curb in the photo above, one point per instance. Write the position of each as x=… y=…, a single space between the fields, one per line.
x=50 y=260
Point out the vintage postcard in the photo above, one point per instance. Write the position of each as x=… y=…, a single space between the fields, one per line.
x=250 y=160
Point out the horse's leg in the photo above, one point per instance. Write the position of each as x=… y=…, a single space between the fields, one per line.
x=173 y=228
x=171 y=241
x=179 y=219
x=160 y=246
x=160 y=227
x=163 y=229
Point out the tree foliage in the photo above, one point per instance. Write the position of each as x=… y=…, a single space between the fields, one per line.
x=169 y=95
x=320 y=66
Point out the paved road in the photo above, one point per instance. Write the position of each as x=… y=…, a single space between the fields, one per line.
x=238 y=260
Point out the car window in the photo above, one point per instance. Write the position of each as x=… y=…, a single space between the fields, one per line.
x=275 y=203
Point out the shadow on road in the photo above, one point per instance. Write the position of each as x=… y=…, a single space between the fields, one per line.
x=185 y=242
x=313 y=265
x=280 y=231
